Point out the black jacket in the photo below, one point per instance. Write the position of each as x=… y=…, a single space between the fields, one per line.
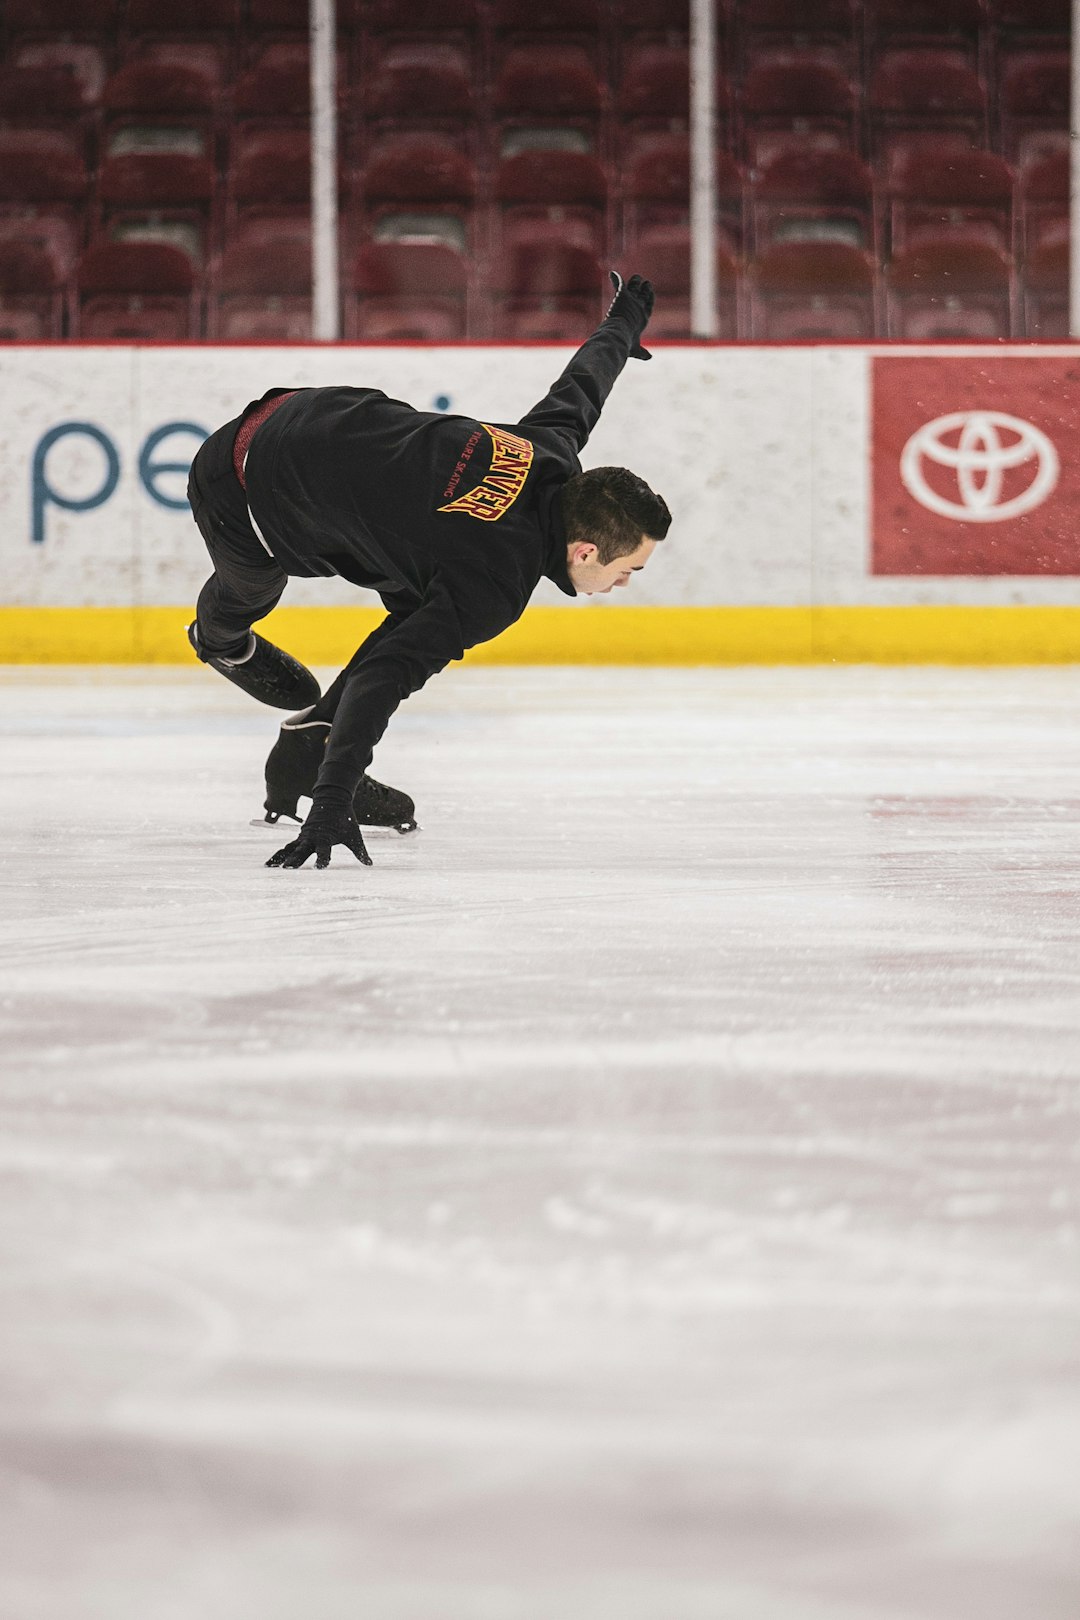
x=452 y=521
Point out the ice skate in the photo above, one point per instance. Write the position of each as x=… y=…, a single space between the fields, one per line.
x=264 y=672
x=293 y=766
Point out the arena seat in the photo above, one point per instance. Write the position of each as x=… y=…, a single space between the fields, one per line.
x=967 y=190
x=655 y=82
x=792 y=93
x=262 y=286
x=161 y=196
x=807 y=290
x=406 y=289
x=276 y=85
x=541 y=261
x=657 y=16
x=833 y=25
x=548 y=81
x=417 y=167
x=929 y=91
x=531 y=16
x=949 y=288
x=160 y=87
x=37 y=94
x=547 y=320
x=1046 y=284
x=804 y=193
x=1044 y=198
x=140 y=291
x=269 y=168
x=662 y=253
x=85 y=61
x=915 y=24
x=1034 y=101
x=1025 y=23
x=41 y=166
x=417 y=84
x=31 y=297
x=656 y=186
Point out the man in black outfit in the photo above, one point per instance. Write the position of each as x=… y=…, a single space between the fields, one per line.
x=451 y=521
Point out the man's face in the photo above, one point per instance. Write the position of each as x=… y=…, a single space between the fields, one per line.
x=592 y=578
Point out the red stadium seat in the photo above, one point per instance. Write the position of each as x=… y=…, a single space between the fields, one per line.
x=161 y=87
x=1046 y=284
x=662 y=253
x=551 y=81
x=158 y=196
x=656 y=185
x=948 y=288
x=276 y=85
x=413 y=290
x=792 y=93
x=1034 y=98
x=811 y=290
x=41 y=165
x=262 y=287
x=421 y=83
x=270 y=167
x=55 y=235
x=1028 y=21
x=546 y=320
x=930 y=91
x=31 y=298
x=142 y=291
x=556 y=179
x=83 y=60
x=422 y=167
x=655 y=82
x=29 y=95
x=833 y=25
x=547 y=259
x=910 y=24
x=967 y=190
x=803 y=193
x=1044 y=198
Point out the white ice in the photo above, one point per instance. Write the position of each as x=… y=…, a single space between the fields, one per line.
x=649 y=1192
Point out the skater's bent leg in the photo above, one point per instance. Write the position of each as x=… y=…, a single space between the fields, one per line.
x=245 y=585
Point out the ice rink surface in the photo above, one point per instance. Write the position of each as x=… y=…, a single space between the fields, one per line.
x=649 y=1192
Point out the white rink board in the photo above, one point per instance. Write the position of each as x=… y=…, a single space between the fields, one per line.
x=763 y=456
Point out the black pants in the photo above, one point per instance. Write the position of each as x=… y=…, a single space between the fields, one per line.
x=246 y=582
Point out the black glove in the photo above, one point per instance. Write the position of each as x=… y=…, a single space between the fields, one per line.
x=330 y=821
x=634 y=303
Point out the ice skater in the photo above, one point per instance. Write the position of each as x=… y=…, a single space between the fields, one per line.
x=453 y=522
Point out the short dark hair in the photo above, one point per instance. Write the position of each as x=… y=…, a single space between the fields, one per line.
x=612 y=508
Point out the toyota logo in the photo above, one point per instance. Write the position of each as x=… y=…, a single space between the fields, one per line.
x=987 y=445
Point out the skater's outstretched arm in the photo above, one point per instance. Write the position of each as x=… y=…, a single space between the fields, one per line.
x=573 y=404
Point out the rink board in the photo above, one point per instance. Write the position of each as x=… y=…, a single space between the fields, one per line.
x=830 y=503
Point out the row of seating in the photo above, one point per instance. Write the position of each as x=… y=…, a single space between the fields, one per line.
x=425 y=185
x=540 y=86
x=938 y=287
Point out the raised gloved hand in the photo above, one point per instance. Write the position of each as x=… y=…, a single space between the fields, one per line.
x=330 y=821
x=633 y=301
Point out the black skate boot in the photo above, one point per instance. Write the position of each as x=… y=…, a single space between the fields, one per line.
x=264 y=672
x=293 y=766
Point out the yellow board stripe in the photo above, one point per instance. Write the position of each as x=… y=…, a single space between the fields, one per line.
x=588 y=634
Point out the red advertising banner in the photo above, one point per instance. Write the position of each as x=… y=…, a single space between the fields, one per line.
x=976 y=465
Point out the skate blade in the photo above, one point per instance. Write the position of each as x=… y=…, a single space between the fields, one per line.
x=369 y=826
